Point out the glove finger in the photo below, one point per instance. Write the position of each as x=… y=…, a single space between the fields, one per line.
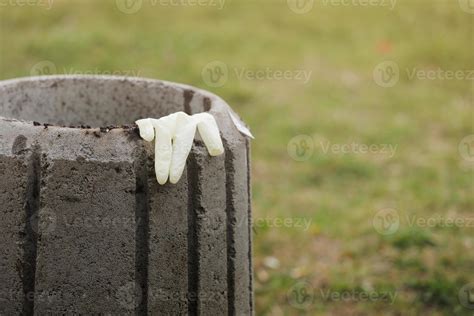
x=146 y=129
x=209 y=132
x=182 y=144
x=163 y=153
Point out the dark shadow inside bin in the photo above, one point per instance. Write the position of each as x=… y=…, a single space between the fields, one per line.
x=89 y=101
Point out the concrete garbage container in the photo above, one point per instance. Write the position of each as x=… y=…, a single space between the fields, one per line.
x=86 y=227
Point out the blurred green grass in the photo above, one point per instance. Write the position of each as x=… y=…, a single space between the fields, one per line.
x=338 y=193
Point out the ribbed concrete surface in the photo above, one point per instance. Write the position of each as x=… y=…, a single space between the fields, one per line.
x=86 y=227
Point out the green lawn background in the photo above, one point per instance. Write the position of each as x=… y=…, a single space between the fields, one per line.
x=338 y=194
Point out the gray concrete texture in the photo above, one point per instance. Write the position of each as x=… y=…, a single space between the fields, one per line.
x=87 y=229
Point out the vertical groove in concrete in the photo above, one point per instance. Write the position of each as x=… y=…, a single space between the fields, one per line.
x=231 y=225
x=238 y=234
x=193 y=241
x=188 y=96
x=31 y=227
x=249 y=192
x=211 y=231
x=142 y=232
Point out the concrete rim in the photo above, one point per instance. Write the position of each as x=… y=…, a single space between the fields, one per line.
x=218 y=105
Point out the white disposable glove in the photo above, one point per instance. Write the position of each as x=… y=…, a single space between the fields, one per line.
x=174 y=135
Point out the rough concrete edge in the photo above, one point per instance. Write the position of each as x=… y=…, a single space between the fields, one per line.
x=222 y=105
x=250 y=253
x=113 y=146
